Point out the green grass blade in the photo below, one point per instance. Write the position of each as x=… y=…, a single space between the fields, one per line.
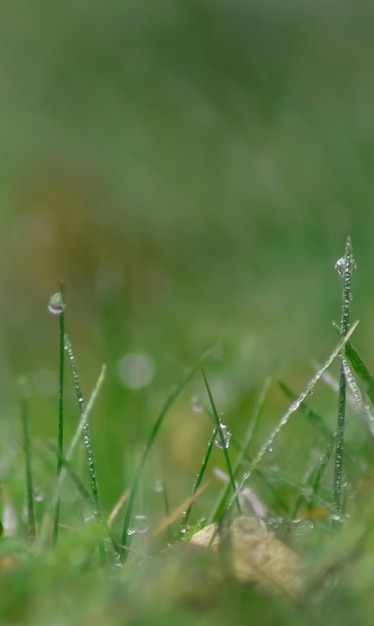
x=292 y=409
x=364 y=408
x=321 y=467
x=86 y=428
x=243 y=450
x=361 y=370
x=199 y=478
x=221 y=438
x=135 y=483
x=57 y=307
x=345 y=266
x=73 y=444
x=302 y=489
x=317 y=421
x=27 y=450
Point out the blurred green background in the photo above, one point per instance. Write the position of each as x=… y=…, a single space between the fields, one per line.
x=190 y=169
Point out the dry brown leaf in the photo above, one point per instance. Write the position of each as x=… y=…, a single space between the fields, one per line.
x=254 y=554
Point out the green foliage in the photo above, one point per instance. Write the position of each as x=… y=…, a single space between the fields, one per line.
x=93 y=572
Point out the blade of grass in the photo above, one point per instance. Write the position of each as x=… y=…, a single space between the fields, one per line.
x=223 y=442
x=321 y=467
x=117 y=507
x=364 y=408
x=319 y=424
x=243 y=450
x=73 y=444
x=292 y=409
x=135 y=483
x=57 y=307
x=27 y=449
x=197 y=483
x=345 y=266
x=86 y=428
x=361 y=370
x=302 y=489
x=171 y=518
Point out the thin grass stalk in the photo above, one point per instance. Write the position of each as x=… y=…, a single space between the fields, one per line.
x=320 y=470
x=197 y=483
x=362 y=406
x=166 y=507
x=136 y=480
x=86 y=428
x=361 y=370
x=243 y=452
x=28 y=473
x=345 y=266
x=60 y=434
x=224 y=444
x=73 y=444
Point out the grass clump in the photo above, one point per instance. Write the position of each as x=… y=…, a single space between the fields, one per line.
x=299 y=532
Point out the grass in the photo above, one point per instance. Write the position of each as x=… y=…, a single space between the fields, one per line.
x=72 y=562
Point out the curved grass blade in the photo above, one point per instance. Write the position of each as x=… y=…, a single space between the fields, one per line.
x=361 y=370
x=364 y=408
x=243 y=451
x=197 y=483
x=224 y=445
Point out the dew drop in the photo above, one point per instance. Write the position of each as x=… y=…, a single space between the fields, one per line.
x=301 y=527
x=226 y=434
x=56 y=303
x=159 y=486
x=184 y=529
x=294 y=406
x=336 y=518
x=140 y=525
x=196 y=406
x=39 y=495
x=341 y=266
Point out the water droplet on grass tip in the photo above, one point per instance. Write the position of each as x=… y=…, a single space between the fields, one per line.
x=223 y=440
x=56 y=304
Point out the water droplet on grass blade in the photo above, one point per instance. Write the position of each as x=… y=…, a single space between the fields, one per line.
x=140 y=525
x=56 y=303
x=39 y=495
x=223 y=440
x=184 y=529
x=196 y=406
x=341 y=266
